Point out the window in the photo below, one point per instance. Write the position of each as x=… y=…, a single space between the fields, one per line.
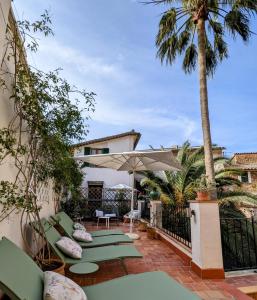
x=96 y=151
x=88 y=150
x=246 y=177
x=95 y=190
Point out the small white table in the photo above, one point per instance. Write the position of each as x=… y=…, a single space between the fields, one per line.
x=107 y=221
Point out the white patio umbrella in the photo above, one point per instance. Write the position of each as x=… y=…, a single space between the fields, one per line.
x=134 y=161
x=121 y=186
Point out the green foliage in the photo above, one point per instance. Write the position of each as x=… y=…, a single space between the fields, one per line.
x=26 y=28
x=201 y=184
x=49 y=114
x=120 y=195
x=75 y=206
x=10 y=198
x=182 y=185
x=178 y=24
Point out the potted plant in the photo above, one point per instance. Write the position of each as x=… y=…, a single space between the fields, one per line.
x=154 y=194
x=202 y=190
x=53 y=264
x=142 y=225
x=151 y=232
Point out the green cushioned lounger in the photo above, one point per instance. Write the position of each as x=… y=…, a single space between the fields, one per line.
x=67 y=224
x=22 y=279
x=144 y=286
x=106 y=240
x=97 y=254
x=98 y=241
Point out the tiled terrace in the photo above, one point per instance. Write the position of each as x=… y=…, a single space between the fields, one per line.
x=159 y=256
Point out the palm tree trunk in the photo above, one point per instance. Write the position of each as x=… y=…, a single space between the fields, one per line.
x=208 y=156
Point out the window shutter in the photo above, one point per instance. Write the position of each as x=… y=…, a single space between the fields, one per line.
x=249 y=177
x=84 y=165
x=86 y=150
x=105 y=150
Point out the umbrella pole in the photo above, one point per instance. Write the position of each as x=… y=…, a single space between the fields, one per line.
x=132 y=203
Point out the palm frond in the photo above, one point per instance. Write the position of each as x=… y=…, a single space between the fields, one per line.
x=168 y=49
x=238 y=23
x=180 y=186
x=190 y=59
x=176 y=34
x=211 y=59
x=238 y=196
x=167 y=26
x=228 y=172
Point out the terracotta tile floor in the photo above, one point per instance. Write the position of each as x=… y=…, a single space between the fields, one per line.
x=158 y=256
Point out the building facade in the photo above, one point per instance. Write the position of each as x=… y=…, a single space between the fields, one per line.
x=96 y=178
x=247 y=162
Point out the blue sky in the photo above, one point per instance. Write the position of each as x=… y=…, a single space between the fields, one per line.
x=108 y=47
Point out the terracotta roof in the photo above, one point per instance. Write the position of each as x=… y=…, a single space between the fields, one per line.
x=244 y=153
x=176 y=147
x=246 y=166
x=111 y=137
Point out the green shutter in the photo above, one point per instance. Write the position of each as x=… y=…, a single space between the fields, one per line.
x=86 y=150
x=105 y=150
x=85 y=164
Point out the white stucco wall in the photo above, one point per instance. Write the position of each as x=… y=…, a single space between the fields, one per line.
x=10 y=227
x=205 y=235
x=115 y=145
x=4 y=12
x=108 y=176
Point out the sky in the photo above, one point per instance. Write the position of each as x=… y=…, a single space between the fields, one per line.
x=108 y=47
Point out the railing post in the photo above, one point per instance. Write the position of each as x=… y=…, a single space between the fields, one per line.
x=141 y=206
x=207 y=259
x=156 y=213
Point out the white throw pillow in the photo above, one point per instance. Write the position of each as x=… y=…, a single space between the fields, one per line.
x=99 y=213
x=110 y=215
x=59 y=287
x=82 y=236
x=69 y=247
x=79 y=226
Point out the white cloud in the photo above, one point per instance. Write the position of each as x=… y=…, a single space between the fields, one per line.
x=111 y=109
x=83 y=63
x=147 y=118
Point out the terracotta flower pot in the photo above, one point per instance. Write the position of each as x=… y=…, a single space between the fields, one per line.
x=142 y=226
x=54 y=265
x=151 y=233
x=202 y=195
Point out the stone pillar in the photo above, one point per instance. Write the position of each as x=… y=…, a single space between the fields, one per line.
x=207 y=259
x=156 y=213
x=140 y=206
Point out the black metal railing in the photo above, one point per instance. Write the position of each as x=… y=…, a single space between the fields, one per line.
x=116 y=201
x=145 y=212
x=98 y=193
x=176 y=223
x=239 y=245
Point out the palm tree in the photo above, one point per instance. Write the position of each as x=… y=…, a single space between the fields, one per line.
x=179 y=187
x=187 y=21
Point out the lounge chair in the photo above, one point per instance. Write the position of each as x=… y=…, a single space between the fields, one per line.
x=95 y=255
x=21 y=278
x=97 y=241
x=67 y=224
